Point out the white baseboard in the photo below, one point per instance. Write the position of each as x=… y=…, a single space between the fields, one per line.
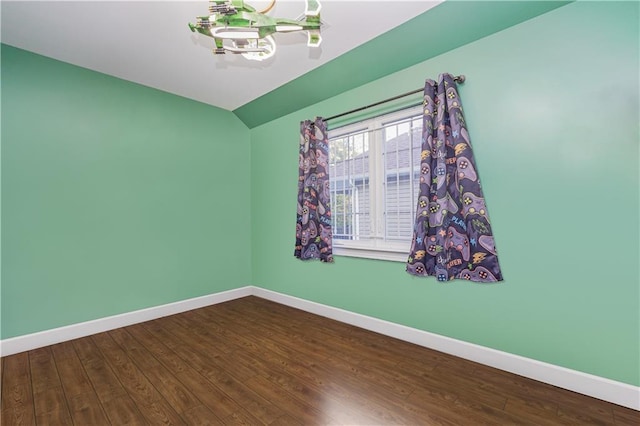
x=28 y=342
x=577 y=381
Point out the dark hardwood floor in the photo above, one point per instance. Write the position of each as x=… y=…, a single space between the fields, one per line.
x=251 y=361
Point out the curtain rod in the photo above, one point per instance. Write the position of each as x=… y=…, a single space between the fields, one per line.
x=459 y=79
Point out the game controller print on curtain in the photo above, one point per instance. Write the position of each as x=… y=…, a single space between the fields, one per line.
x=313 y=225
x=452 y=235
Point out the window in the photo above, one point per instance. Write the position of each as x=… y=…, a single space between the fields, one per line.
x=374 y=167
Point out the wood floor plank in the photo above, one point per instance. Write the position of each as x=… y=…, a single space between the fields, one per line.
x=213 y=369
x=86 y=409
x=178 y=396
x=269 y=343
x=44 y=374
x=50 y=403
x=148 y=400
x=625 y=416
x=155 y=336
x=532 y=406
x=287 y=420
x=73 y=378
x=240 y=418
x=362 y=394
x=83 y=402
x=584 y=416
x=332 y=407
x=123 y=411
x=222 y=357
x=375 y=346
x=17 y=394
x=18 y=406
x=469 y=387
x=51 y=407
x=201 y=415
x=302 y=337
x=104 y=382
x=193 y=323
x=258 y=406
x=572 y=404
x=252 y=361
x=514 y=384
x=434 y=406
x=301 y=411
x=476 y=412
x=377 y=377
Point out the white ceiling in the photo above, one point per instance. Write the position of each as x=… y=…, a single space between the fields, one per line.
x=149 y=42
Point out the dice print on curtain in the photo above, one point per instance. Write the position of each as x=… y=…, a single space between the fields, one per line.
x=313 y=226
x=452 y=234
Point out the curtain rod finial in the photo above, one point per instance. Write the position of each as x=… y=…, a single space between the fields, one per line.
x=461 y=78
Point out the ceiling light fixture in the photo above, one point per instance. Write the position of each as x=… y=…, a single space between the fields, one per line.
x=238 y=28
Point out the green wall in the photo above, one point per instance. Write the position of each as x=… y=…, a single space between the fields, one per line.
x=552 y=108
x=115 y=197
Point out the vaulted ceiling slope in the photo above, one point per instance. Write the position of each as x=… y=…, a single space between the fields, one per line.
x=148 y=42
x=445 y=27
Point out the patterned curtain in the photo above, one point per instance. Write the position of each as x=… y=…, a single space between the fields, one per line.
x=452 y=234
x=313 y=226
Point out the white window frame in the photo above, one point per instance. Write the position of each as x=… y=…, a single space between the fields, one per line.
x=377 y=247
